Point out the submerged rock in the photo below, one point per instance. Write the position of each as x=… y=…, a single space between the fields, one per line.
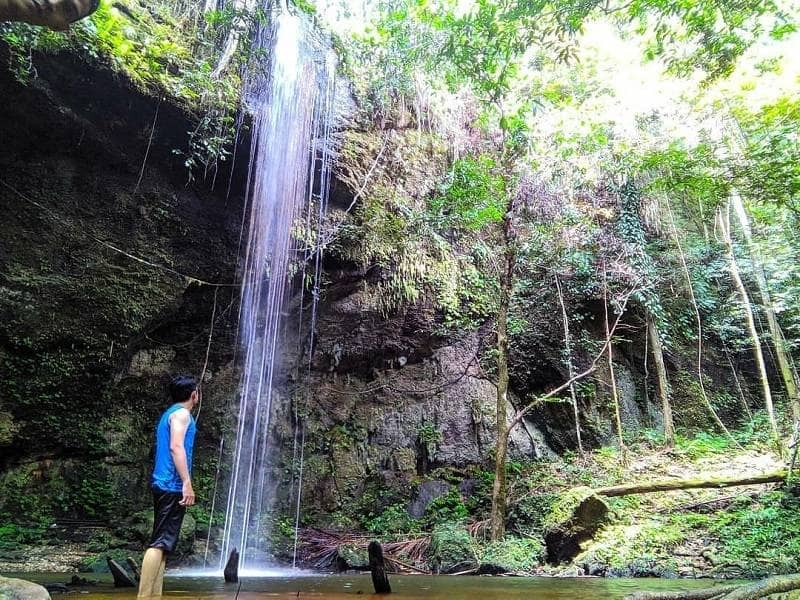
x=19 y=589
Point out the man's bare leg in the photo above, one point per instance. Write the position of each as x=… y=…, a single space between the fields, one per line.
x=158 y=585
x=151 y=581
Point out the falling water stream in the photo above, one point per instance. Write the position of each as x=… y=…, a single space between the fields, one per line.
x=290 y=98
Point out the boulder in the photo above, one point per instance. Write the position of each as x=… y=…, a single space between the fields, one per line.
x=19 y=589
x=574 y=518
x=428 y=492
x=451 y=550
x=352 y=557
x=511 y=555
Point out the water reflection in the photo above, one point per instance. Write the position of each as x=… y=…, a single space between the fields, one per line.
x=351 y=587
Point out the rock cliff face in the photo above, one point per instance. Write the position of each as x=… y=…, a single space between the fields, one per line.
x=388 y=402
x=98 y=301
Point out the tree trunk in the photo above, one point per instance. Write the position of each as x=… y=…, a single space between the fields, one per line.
x=570 y=368
x=663 y=383
x=498 y=516
x=723 y=221
x=690 y=484
x=785 y=366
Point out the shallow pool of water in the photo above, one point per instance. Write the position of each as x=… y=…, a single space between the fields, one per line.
x=409 y=587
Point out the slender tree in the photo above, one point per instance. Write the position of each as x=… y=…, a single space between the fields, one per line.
x=610 y=356
x=661 y=378
x=499 y=493
x=699 y=323
x=784 y=361
x=570 y=366
x=724 y=228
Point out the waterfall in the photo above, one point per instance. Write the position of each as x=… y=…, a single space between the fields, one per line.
x=289 y=94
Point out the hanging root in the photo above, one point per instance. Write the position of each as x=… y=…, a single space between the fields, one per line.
x=750 y=591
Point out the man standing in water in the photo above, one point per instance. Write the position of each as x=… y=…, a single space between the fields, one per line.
x=171 y=482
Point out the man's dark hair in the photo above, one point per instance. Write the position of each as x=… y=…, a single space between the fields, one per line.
x=181 y=387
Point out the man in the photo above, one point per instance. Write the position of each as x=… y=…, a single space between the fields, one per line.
x=171 y=482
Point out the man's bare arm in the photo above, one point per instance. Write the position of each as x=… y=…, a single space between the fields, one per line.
x=178 y=424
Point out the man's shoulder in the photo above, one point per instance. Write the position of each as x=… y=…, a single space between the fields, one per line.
x=181 y=414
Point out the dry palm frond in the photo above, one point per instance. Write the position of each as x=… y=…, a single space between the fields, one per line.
x=320 y=549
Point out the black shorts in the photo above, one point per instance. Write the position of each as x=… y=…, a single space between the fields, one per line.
x=168 y=515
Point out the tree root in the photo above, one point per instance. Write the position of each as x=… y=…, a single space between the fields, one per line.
x=750 y=591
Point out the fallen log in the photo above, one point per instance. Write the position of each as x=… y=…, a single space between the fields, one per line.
x=403 y=565
x=751 y=591
x=668 y=485
x=704 y=594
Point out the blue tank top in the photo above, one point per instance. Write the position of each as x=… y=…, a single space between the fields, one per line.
x=165 y=475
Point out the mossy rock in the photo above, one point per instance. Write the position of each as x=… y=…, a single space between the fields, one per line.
x=511 y=555
x=19 y=589
x=139 y=526
x=574 y=518
x=352 y=557
x=452 y=550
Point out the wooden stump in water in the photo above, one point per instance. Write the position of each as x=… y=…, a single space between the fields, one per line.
x=137 y=575
x=377 y=566
x=121 y=576
x=231 y=571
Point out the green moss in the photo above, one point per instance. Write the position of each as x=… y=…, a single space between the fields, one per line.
x=702 y=444
x=353 y=557
x=452 y=549
x=513 y=554
x=753 y=538
x=650 y=540
x=527 y=516
x=563 y=509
